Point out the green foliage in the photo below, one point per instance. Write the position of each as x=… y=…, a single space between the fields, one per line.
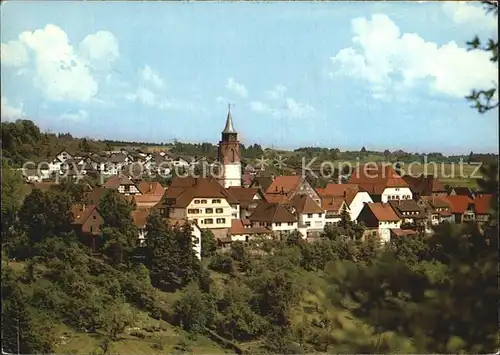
x=170 y=256
x=45 y=214
x=483 y=99
x=222 y=262
x=195 y=311
x=208 y=243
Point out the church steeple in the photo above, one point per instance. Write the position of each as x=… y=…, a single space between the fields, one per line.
x=229 y=122
x=229 y=154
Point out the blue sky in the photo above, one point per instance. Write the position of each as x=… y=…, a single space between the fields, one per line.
x=384 y=75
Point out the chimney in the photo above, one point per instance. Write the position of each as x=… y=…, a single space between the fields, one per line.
x=150 y=187
x=282 y=190
x=276 y=188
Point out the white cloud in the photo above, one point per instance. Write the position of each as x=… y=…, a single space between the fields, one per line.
x=151 y=76
x=11 y=113
x=296 y=109
x=61 y=72
x=221 y=100
x=80 y=115
x=469 y=13
x=14 y=54
x=277 y=92
x=149 y=98
x=100 y=48
x=237 y=88
x=289 y=108
x=390 y=61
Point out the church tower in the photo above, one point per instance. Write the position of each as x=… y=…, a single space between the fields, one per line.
x=229 y=154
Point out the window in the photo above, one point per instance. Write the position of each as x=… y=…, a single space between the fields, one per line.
x=290 y=223
x=221 y=220
x=197 y=201
x=193 y=210
x=308 y=224
x=397 y=189
x=209 y=210
x=320 y=215
x=203 y=201
x=278 y=224
x=216 y=201
x=209 y=221
x=309 y=215
x=94 y=218
x=219 y=210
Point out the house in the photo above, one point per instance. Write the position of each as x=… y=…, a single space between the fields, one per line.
x=262 y=182
x=123 y=184
x=462 y=191
x=202 y=200
x=248 y=197
x=87 y=222
x=151 y=194
x=333 y=207
x=381 y=182
x=284 y=188
x=425 y=185
x=140 y=218
x=437 y=209
x=351 y=193
x=462 y=207
x=246 y=179
x=274 y=216
x=483 y=209
x=115 y=163
x=409 y=212
x=396 y=232
x=243 y=230
x=379 y=217
x=311 y=217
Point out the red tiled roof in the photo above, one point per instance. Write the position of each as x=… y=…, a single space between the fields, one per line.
x=305 y=204
x=151 y=188
x=244 y=195
x=482 y=204
x=403 y=232
x=424 y=185
x=458 y=203
x=146 y=201
x=238 y=228
x=374 y=179
x=383 y=211
x=81 y=213
x=140 y=218
x=115 y=181
x=332 y=203
x=339 y=189
x=436 y=201
x=184 y=190
x=272 y=212
x=284 y=184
